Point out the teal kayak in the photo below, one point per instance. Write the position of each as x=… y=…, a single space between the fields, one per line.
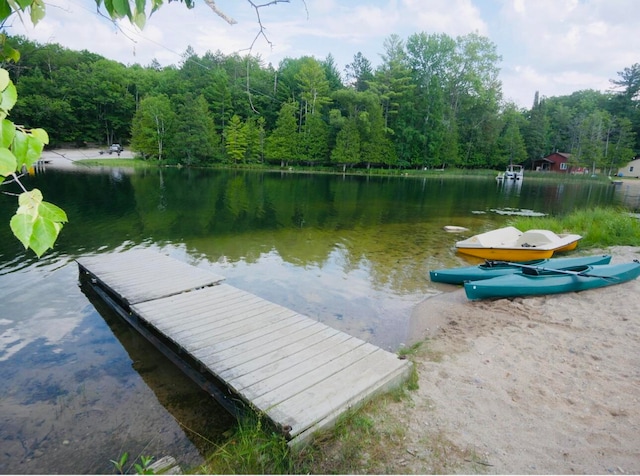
x=547 y=281
x=491 y=269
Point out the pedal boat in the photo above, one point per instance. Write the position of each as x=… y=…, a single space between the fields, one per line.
x=510 y=244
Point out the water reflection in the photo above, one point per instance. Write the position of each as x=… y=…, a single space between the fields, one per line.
x=508 y=186
x=629 y=193
x=50 y=323
x=197 y=413
x=79 y=390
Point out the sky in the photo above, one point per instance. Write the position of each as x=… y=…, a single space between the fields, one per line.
x=554 y=47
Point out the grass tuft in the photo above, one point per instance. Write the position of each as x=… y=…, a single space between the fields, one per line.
x=372 y=439
x=600 y=227
x=253 y=448
x=137 y=163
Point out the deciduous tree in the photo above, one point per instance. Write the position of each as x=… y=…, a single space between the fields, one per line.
x=235 y=139
x=283 y=142
x=195 y=141
x=359 y=72
x=152 y=126
x=347 y=150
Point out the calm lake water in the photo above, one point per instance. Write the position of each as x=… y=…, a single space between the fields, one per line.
x=80 y=387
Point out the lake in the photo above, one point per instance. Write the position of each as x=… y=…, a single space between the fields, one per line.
x=80 y=387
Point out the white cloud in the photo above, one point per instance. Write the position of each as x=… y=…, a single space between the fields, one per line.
x=453 y=17
x=571 y=45
x=552 y=46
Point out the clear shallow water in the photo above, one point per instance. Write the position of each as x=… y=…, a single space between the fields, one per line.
x=80 y=387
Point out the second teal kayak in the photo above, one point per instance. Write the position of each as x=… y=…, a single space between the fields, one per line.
x=552 y=281
x=489 y=271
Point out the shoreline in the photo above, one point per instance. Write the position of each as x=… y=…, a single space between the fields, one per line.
x=543 y=385
x=64 y=158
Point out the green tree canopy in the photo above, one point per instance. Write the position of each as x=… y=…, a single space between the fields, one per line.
x=152 y=126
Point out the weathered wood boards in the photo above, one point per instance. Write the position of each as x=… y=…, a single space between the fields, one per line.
x=299 y=372
x=140 y=275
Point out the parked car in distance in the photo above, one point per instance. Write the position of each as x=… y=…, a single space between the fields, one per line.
x=117 y=148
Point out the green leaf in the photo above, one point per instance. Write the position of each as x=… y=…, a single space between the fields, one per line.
x=7 y=132
x=34 y=151
x=108 y=5
x=38 y=11
x=140 y=19
x=19 y=148
x=4 y=77
x=156 y=4
x=43 y=236
x=8 y=162
x=10 y=54
x=41 y=135
x=9 y=97
x=36 y=223
x=23 y=4
x=22 y=227
x=5 y=10
x=121 y=8
x=34 y=195
x=29 y=203
x=52 y=212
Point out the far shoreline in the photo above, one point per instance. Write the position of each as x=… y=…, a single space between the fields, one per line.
x=65 y=158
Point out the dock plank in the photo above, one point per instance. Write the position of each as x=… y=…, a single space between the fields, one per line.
x=128 y=266
x=254 y=356
x=203 y=314
x=331 y=398
x=261 y=362
x=259 y=336
x=179 y=306
x=299 y=372
x=272 y=390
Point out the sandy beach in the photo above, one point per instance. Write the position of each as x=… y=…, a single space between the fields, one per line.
x=544 y=385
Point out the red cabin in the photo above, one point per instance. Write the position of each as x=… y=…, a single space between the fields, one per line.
x=556 y=162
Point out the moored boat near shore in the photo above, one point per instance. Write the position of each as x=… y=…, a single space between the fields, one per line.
x=513 y=172
x=552 y=281
x=510 y=244
x=491 y=269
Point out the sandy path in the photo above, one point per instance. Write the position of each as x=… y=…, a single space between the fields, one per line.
x=532 y=385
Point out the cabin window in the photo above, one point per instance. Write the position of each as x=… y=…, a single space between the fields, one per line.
x=563 y=166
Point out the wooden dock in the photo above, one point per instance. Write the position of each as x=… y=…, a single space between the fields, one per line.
x=298 y=372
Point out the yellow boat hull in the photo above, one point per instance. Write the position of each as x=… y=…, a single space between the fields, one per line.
x=502 y=254
x=569 y=247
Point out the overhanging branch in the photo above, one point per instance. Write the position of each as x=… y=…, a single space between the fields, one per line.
x=220 y=13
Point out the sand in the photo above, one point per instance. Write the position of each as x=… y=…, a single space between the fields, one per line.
x=531 y=385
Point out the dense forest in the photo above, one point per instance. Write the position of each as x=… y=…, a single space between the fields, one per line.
x=434 y=101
